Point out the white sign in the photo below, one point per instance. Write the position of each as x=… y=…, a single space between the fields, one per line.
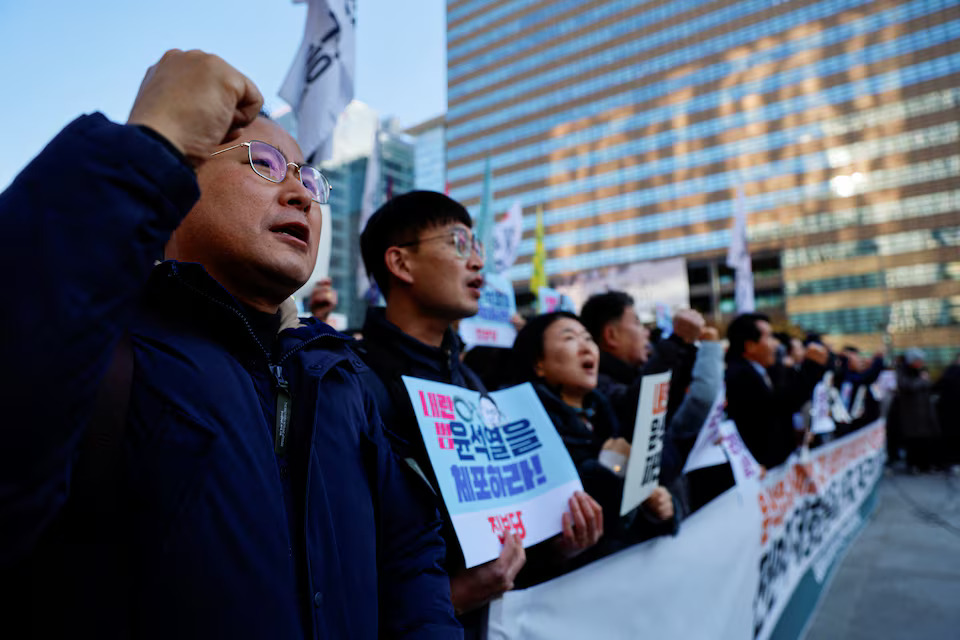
x=491 y=326
x=746 y=469
x=647 y=283
x=706 y=452
x=507 y=233
x=820 y=420
x=499 y=461
x=643 y=469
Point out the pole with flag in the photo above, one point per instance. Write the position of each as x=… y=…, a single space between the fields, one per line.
x=539 y=277
x=738 y=257
x=319 y=83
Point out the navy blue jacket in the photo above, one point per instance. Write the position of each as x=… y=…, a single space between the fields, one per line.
x=222 y=540
x=392 y=353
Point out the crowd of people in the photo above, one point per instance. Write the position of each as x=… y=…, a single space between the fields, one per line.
x=184 y=457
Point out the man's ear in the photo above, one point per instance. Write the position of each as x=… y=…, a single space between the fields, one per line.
x=610 y=335
x=538 y=368
x=398 y=264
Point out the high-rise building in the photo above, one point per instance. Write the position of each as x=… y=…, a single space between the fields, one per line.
x=634 y=123
x=429 y=151
x=347 y=172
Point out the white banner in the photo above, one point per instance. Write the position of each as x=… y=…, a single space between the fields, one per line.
x=732 y=570
x=699 y=584
x=663 y=281
x=319 y=83
x=809 y=513
x=643 y=470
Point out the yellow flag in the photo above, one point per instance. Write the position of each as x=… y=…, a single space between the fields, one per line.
x=539 y=277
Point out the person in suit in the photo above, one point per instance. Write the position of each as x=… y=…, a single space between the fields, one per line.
x=761 y=404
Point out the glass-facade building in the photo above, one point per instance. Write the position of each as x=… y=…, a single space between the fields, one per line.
x=348 y=180
x=635 y=123
x=429 y=151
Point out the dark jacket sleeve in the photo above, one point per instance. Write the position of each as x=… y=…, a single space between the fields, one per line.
x=82 y=226
x=414 y=589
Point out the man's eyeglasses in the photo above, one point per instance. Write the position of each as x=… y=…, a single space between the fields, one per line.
x=269 y=163
x=463 y=242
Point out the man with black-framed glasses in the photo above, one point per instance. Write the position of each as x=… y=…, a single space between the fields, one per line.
x=224 y=472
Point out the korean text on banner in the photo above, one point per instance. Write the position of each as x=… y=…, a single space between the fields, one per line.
x=643 y=470
x=499 y=461
x=491 y=326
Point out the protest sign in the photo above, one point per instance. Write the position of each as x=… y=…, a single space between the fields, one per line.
x=507 y=233
x=491 y=326
x=499 y=462
x=706 y=452
x=663 y=281
x=643 y=469
x=820 y=420
x=550 y=300
x=745 y=467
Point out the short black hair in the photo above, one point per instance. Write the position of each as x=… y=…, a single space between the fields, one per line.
x=784 y=338
x=742 y=329
x=601 y=309
x=528 y=346
x=400 y=220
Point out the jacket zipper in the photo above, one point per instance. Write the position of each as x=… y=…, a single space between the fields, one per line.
x=284 y=397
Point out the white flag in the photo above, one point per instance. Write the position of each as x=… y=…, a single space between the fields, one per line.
x=372 y=198
x=320 y=81
x=738 y=257
x=507 y=233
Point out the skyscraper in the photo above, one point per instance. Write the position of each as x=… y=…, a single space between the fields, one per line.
x=429 y=154
x=634 y=123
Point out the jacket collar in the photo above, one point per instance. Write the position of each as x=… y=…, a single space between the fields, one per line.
x=179 y=288
x=617 y=369
x=380 y=333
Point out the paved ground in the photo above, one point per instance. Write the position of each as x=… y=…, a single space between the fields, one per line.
x=901 y=577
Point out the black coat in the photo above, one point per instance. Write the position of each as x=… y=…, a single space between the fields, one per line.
x=764 y=414
x=584 y=445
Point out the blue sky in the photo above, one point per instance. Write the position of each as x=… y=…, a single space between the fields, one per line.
x=62 y=58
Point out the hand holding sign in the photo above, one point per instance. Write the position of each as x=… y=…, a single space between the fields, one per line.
x=660 y=504
x=475 y=587
x=582 y=525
